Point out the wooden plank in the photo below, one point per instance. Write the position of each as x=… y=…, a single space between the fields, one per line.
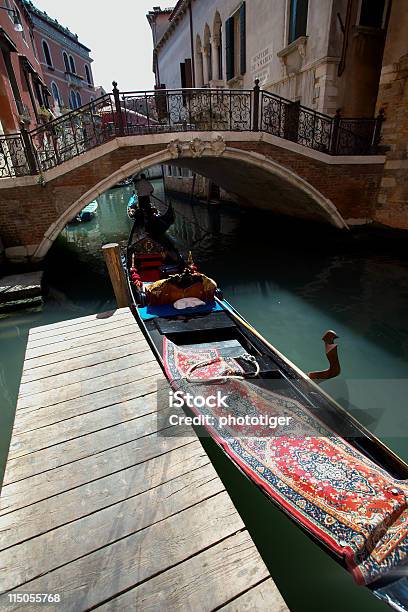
x=81 y=323
x=69 y=506
x=82 y=425
x=100 y=316
x=263 y=598
x=104 y=573
x=73 y=334
x=68 y=364
x=86 y=350
x=88 y=373
x=19 y=493
x=203 y=582
x=79 y=448
x=44 y=553
x=30 y=420
x=59 y=347
x=81 y=389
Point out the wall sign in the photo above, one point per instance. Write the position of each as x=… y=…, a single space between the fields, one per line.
x=261 y=65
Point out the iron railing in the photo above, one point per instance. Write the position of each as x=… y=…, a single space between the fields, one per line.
x=182 y=110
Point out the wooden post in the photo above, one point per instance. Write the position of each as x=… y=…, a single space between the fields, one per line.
x=111 y=253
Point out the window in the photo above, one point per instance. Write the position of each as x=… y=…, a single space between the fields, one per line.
x=12 y=78
x=72 y=100
x=33 y=45
x=297 y=19
x=235 y=44
x=47 y=54
x=72 y=64
x=372 y=13
x=78 y=99
x=88 y=74
x=220 y=56
x=39 y=93
x=66 y=62
x=56 y=94
x=18 y=20
x=216 y=45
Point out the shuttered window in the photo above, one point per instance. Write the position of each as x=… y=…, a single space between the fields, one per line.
x=298 y=19
x=235 y=43
x=183 y=75
x=242 y=41
x=229 y=47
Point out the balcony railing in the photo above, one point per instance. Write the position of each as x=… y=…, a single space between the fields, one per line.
x=185 y=110
x=74 y=79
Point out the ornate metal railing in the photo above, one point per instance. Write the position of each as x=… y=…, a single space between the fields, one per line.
x=182 y=110
x=13 y=160
x=332 y=135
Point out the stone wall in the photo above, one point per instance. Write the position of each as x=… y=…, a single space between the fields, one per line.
x=392 y=208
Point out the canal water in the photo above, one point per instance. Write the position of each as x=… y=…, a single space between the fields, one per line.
x=292 y=282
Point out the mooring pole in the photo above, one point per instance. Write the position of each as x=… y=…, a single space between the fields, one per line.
x=111 y=253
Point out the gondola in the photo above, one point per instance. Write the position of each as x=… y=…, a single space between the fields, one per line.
x=156 y=223
x=313 y=460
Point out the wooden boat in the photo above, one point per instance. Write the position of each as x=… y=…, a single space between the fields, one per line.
x=89 y=211
x=327 y=472
x=86 y=214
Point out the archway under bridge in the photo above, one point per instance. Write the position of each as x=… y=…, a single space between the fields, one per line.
x=258 y=169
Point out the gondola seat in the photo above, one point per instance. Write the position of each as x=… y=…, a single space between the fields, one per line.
x=148 y=265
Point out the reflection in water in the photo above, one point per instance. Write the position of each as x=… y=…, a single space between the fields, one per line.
x=292 y=283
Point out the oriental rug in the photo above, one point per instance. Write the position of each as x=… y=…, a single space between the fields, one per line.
x=335 y=492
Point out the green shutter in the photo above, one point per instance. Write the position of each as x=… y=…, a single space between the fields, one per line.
x=242 y=34
x=229 y=47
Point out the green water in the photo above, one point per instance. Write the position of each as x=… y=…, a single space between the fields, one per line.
x=292 y=282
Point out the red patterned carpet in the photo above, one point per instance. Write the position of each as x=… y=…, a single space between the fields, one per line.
x=318 y=478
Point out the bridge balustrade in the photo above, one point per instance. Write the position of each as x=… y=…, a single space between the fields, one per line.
x=119 y=114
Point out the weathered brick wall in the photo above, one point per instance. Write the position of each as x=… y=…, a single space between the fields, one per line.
x=392 y=205
x=353 y=188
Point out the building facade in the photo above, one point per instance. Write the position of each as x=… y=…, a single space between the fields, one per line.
x=325 y=54
x=65 y=62
x=23 y=92
x=346 y=55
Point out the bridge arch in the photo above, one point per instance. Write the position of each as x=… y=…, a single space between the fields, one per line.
x=252 y=176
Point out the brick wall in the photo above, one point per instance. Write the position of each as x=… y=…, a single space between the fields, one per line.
x=392 y=205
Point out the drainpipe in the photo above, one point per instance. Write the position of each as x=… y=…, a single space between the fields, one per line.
x=190 y=12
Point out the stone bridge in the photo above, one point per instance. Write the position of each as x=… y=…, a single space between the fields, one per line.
x=290 y=171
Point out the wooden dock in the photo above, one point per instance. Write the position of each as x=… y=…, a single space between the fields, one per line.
x=99 y=508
